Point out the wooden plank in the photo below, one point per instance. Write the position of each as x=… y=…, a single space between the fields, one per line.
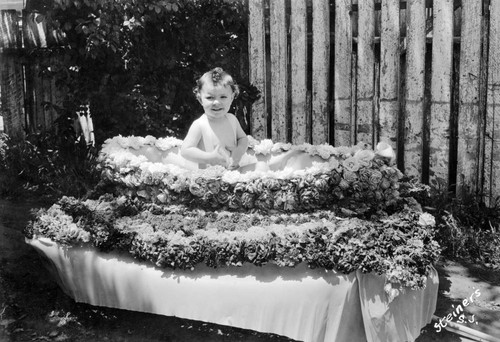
x=47 y=98
x=34 y=32
x=279 y=86
x=58 y=93
x=469 y=122
x=483 y=90
x=415 y=85
x=389 y=72
x=365 y=73
x=257 y=67
x=298 y=34
x=12 y=95
x=36 y=90
x=342 y=74
x=320 y=71
x=492 y=141
x=10 y=35
x=442 y=49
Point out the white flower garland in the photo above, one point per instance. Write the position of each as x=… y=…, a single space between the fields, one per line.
x=118 y=154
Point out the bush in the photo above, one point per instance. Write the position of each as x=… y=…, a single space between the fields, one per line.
x=50 y=164
x=136 y=61
x=468 y=230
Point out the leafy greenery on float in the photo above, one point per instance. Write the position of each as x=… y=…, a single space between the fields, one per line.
x=400 y=246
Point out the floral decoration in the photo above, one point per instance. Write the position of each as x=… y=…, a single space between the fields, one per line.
x=354 y=178
x=400 y=246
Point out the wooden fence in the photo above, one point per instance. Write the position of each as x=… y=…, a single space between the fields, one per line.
x=27 y=91
x=422 y=75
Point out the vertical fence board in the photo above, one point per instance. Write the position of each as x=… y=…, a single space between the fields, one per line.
x=389 y=71
x=11 y=75
x=257 y=66
x=12 y=95
x=469 y=121
x=365 y=72
x=320 y=71
x=492 y=134
x=342 y=72
x=298 y=34
x=279 y=87
x=415 y=85
x=48 y=98
x=10 y=37
x=442 y=49
x=33 y=31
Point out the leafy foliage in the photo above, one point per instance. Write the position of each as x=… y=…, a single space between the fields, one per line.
x=468 y=230
x=50 y=164
x=136 y=61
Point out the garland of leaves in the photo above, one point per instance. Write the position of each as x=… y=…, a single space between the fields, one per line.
x=400 y=246
x=350 y=177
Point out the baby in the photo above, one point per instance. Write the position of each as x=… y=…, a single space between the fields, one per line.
x=216 y=137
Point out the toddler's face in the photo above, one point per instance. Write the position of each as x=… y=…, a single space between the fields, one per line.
x=216 y=100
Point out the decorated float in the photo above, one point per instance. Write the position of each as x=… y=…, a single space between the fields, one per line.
x=326 y=244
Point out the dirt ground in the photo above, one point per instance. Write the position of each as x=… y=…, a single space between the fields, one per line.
x=34 y=308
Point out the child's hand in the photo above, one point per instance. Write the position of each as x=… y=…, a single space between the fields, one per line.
x=216 y=158
x=233 y=166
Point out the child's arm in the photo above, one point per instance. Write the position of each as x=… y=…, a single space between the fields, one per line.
x=191 y=151
x=241 y=145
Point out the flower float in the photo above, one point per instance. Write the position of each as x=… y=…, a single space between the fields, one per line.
x=337 y=226
x=400 y=246
x=314 y=177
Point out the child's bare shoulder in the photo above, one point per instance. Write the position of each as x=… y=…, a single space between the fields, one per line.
x=198 y=123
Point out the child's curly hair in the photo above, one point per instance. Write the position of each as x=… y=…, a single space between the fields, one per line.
x=217 y=76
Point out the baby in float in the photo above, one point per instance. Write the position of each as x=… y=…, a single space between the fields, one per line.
x=217 y=138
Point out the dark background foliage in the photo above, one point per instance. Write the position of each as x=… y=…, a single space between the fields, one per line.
x=136 y=61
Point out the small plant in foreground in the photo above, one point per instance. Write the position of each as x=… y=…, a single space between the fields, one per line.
x=468 y=230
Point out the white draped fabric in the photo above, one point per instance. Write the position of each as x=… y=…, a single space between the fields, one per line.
x=304 y=304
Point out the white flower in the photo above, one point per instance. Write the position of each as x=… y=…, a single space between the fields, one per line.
x=264 y=147
x=324 y=151
x=252 y=141
x=333 y=163
x=385 y=150
x=391 y=292
x=232 y=177
x=149 y=140
x=364 y=156
x=426 y=219
x=278 y=147
x=165 y=144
